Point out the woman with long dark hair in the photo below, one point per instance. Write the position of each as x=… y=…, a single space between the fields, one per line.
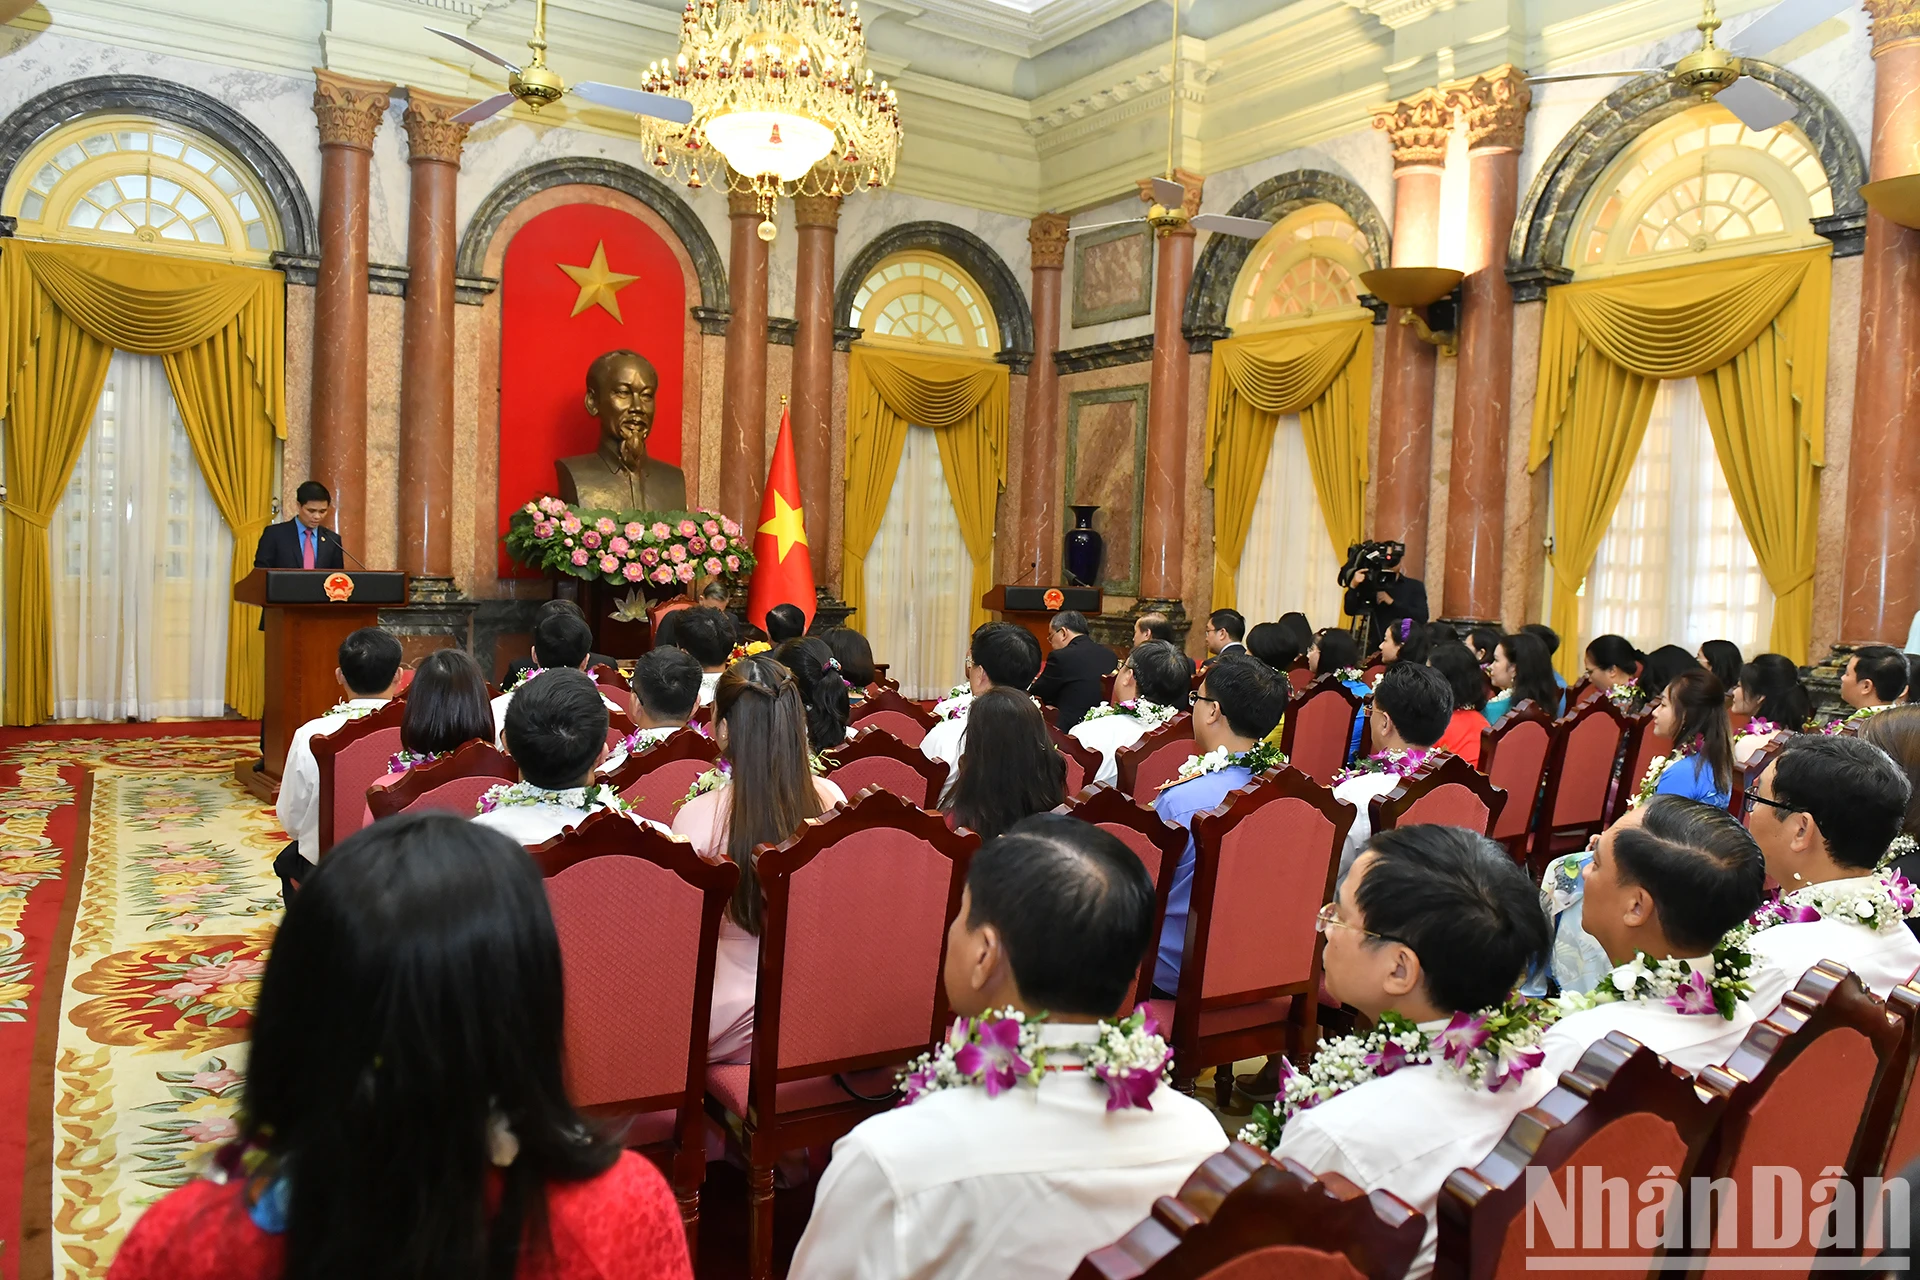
x=404 y=1111
x=1457 y=663
x=1522 y=670
x=1612 y=662
x=1010 y=768
x=446 y=708
x=817 y=672
x=1774 y=700
x=761 y=794
x=1693 y=715
x=856 y=660
x=1722 y=657
x=1335 y=652
x=1659 y=669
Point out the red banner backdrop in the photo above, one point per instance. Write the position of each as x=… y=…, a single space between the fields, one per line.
x=554 y=323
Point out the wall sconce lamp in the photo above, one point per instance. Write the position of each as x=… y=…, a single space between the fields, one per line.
x=1433 y=291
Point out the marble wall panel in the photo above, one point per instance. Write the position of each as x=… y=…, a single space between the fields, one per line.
x=1112 y=275
x=297 y=451
x=1523 y=558
x=1106 y=467
x=382 y=550
x=1445 y=375
x=1843 y=353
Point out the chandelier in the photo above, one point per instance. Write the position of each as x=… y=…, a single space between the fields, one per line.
x=782 y=103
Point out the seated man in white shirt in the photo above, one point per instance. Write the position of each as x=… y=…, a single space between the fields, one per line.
x=1430 y=923
x=557 y=733
x=369 y=673
x=708 y=635
x=666 y=685
x=560 y=640
x=1823 y=813
x=1411 y=708
x=1667 y=883
x=1055 y=918
x=1153 y=686
x=1001 y=655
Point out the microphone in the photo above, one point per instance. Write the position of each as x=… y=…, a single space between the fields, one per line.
x=326 y=533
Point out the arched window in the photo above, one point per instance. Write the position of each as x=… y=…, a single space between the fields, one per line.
x=921 y=297
x=1309 y=264
x=138 y=183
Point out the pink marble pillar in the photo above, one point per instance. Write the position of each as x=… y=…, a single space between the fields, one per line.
x=816 y=221
x=1038 y=554
x=1163 y=515
x=743 y=392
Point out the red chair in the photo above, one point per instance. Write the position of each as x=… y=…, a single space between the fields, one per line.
x=880 y=680
x=1450 y=792
x=452 y=784
x=1155 y=760
x=1582 y=691
x=836 y=1001
x=1319 y=728
x=1893 y=1133
x=1375 y=668
x=1641 y=748
x=1513 y=755
x=655 y=781
x=1083 y=762
x=875 y=758
x=1250 y=966
x=1797 y=1093
x=1299 y=675
x=609 y=677
x=1245 y=1216
x=1748 y=775
x=1573 y=803
x=350 y=760
x=888 y=710
x=1106 y=686
x=638 y=914
x=1621 y=1112
x=1157 y=842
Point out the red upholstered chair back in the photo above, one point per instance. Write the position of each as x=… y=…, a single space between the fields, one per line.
x=881 y=679
x=888 y=710
x=349 y=760
x=1641 y=747
x=1156 y=759
x=1513 y=755
x=1157 y=842
x=1106 y=686
x=1580 y=762
x=1894 y=1124
x=655 y=781
x=1299 y=676
x=1619 y=1113
x=1374 y=670
x=1449 y=792
x=638 y=914
x=1083 y=763
x=1797 y=1094
x=1245 y=1216
x=875 y=758
x=857 y=908
x=1319 y=728
x=452 y=784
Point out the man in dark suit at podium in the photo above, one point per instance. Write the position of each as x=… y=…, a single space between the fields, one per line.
x=1071 y=678
x=302 y=542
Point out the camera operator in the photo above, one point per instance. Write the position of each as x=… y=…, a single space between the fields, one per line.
x=1378 y=592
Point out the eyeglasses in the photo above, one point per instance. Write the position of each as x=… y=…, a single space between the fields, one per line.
x=1199 y=698
x=1330 y=915
x=1753 y=798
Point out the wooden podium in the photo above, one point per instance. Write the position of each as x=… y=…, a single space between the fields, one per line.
x=308 y=613
x=1034 y=607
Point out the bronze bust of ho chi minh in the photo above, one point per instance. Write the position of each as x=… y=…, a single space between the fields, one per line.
x=619 y=476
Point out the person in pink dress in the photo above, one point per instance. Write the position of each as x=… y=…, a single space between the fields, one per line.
x=765 y=790
x=404 y=1111
x=447 y=707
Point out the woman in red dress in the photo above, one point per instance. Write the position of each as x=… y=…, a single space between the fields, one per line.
x=404 y=1113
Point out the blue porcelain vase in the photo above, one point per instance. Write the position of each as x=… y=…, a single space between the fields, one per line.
x=1084 y=549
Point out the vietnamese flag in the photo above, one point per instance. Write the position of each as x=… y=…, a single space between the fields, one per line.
x=784 y=574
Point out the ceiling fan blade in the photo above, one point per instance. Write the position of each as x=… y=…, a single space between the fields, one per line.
x=1227 y=224
x=1759 y=106
x=11 y=9
x=485 y=110
x=1784 y=22
x=1168 y=195
x=473 y=48
x=1598 y=75
x=1102 y=226
x=637 y=101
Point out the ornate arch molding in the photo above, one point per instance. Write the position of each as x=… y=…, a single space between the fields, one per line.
x=1537 y=254
x=1205 y=319
x=176 y=104
x=988 y=269
x=592 y=171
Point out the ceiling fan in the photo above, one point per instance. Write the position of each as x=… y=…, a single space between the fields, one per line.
x=538 y=87
x=1168 y=211
x=1716 y=74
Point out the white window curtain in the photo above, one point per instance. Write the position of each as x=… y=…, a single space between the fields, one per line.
x=141 y=561
x=919 y=577
x=1675 y=566
x=1288 y=563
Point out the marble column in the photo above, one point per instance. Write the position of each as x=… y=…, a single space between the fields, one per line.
x=1418 y=129
x=743 y=394
x=1163 y=532
x=1040 y=527
x=434 y=142
x=816 y=221
x=1495 y=107
x=1880 y=583
x=349 y=112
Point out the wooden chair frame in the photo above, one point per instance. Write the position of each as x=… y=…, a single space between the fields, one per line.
x=1896 y=1088
x=889 y=699
x=1634 y=760
x=1541 y=851
x=1240 y=1201
x=1086 y=757
x=873 y=741
x=1526 y=711
x=1127 y=760
x=475 y=759
x=607 y=834
x=1102 y=803
x=1387 y=810
x=326 y=747
x=681 y=744
x=1324 y=685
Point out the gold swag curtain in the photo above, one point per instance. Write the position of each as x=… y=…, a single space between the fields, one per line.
x=1753 y=332
x=64 y=310
x=1322 y=372
x=964 y=401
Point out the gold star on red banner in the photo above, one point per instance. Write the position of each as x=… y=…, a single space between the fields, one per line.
x=787 y=526
x=598 y=285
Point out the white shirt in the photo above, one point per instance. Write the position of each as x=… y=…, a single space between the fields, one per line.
x=945 y=705
x=1358 y=791
x=1109 y=735
x=1404 y=1133
x=298 y=805
x=1690 y=1041
x=1784 y=953
x=501 y=703
x=947 y=742
x=709 y=681
x=533 y=824
x=959 y=1186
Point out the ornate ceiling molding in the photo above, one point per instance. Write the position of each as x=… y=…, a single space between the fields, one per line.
x=1399 y=13
x=1022 y=31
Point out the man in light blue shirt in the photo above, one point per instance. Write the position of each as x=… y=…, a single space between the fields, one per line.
x=1240 y=701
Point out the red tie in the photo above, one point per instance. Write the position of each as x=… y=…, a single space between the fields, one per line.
x=306 y=548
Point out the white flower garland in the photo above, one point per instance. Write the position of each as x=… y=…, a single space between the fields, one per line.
x=1716 y=988
x=1151 y=714
x=1900 y=848
x=1352 y=675
x=514 y=794
x=1261 y=757
x=525 y=676
x=1882 y=903
x=1833 y=728
x=1398 y=761
x=350 y=711
x=1002 y=1049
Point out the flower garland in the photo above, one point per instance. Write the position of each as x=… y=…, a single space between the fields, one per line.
x=1834 y=727
x=722 y=773
x=525 y=676
x=514 y=794
x=1398 y=761
x=958 y=691
x=1490 y=1050
x=1759 y=728
x=1625 y=696
x=748 y=649
x=1881 y=903
x=403 y=759
x=1152 y=714
x=349 y=710
x=1650 y=781
x=958 y=711
x=1900 y=848
x=1002 y=1049
x=1351 y=675
x=1716 y=989
x=1257 y=759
